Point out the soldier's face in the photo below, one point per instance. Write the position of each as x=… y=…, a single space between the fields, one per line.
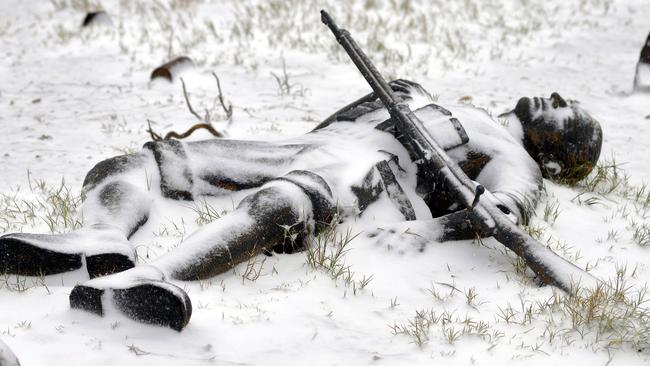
x=563 y=138
x=553 y=111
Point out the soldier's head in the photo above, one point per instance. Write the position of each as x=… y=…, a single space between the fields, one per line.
x=561 y=136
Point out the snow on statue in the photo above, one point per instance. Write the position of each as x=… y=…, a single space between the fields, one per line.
x=298 y=185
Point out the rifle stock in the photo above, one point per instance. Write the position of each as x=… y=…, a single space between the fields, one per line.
x=547 y=265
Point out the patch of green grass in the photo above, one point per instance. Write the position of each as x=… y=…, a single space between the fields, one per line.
x=326 y=251
x=55 y=205
x=205 y=212
x=612 y=316
x=450 y=326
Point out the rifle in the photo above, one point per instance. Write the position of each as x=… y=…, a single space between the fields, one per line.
x=546 y=264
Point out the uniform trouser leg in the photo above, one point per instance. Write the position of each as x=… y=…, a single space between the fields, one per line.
x=119 y=192
x=117 y=203
x=298 y=200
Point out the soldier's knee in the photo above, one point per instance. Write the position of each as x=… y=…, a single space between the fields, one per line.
x=280 y=204
x=117 y=196
x=111 y=167
x=297 y=196
x=114 y=194
x=294 y=207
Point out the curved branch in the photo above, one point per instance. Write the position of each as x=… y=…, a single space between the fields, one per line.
x=205 y=126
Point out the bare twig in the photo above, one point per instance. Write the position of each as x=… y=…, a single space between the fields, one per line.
x=138 y=351
x=198 y=126
x=253 y=269
x=169 y=48
x=284 y=86
x=205 y=121
x=154 y=135
x=189 y=105
x=175 y=135
x=227 y=109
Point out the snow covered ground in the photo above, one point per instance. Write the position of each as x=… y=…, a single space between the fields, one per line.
x=71 y=97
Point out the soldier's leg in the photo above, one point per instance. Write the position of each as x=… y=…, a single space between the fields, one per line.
x=117 y=203
x=221 y=166
x=119 y=194
x=298 y=201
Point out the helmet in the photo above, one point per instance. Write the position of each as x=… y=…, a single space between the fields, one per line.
x=562 y=137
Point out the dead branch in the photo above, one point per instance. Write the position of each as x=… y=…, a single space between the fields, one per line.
x=227 y=109
x=198 y=126
x=154 y=136
x=175 y=135
x=205 y=121
x=189 y=105
x=171 y=40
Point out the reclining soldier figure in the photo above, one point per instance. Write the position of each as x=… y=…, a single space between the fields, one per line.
x=298 y=185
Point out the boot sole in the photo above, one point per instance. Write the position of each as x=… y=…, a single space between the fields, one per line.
x=157 y=303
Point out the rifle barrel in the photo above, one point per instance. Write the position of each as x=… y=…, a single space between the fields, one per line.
x=361 y=61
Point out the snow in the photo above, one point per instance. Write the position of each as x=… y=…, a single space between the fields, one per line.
x=440 y=128
x=70 y=98
x=7 y=358
x=559 y=116
x=203 y=241
x=510 y=168
x=128 y=278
